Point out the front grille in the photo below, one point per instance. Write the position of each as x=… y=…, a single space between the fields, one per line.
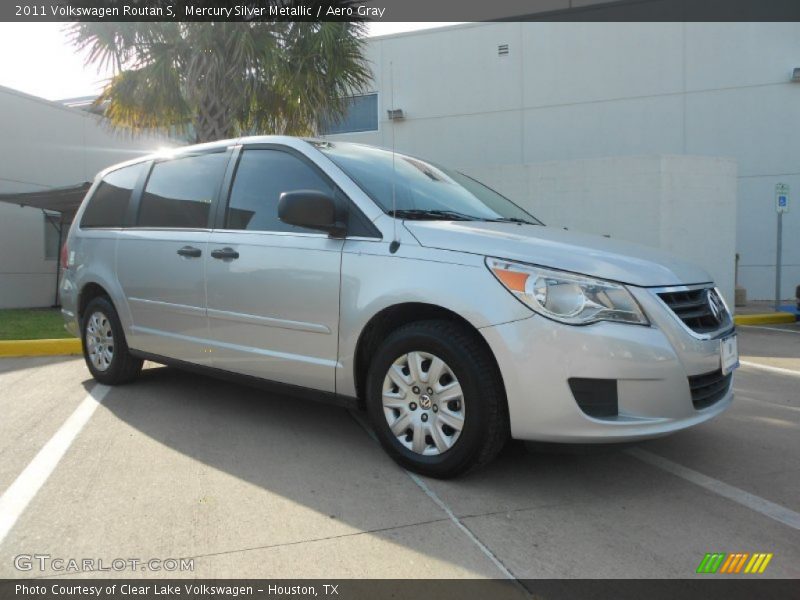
x=702 y=310
x=709 y=388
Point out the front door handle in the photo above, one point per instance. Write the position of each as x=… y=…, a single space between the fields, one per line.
x=190 y=251
x=225 y=254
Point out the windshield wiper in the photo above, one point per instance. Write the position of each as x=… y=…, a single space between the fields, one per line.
x=512 y=220
x=422 y=214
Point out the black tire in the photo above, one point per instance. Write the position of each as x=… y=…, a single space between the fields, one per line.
x=485 y=429
x=124 y=367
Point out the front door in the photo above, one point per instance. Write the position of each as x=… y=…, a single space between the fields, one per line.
x=273 y=288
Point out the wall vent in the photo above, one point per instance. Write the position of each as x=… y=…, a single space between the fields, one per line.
x=502 y=50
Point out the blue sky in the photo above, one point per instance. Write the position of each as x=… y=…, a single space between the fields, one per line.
x=38 y=59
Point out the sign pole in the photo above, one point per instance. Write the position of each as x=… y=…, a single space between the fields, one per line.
x=781 y=206
x=778 y=265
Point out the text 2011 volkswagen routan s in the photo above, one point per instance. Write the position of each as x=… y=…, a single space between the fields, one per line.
x=380 y=280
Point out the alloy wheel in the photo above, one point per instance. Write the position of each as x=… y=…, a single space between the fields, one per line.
x=100 y=341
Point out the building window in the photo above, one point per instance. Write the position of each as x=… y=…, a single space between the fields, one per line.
x=361 y=115
x=52 y=227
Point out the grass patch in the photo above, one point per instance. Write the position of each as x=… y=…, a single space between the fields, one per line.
x=32 y=324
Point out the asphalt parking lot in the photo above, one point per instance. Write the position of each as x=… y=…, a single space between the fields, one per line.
x=248 y=485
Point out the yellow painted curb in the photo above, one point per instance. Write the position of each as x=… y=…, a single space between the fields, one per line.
x=9 y=348
x=765 y=319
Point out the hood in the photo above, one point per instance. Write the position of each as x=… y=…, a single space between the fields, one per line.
x=560 y=249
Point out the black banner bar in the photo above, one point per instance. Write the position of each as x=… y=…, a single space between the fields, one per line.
x=705 y=587
x=399 y=10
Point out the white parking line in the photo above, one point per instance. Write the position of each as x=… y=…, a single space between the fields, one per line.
x=782 y=371
x=19 y=494
x=457 y=522
x=769 y=328
x=769 y=509
x=440 y=503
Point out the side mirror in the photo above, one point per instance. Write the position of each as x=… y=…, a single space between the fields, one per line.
x=310 y=209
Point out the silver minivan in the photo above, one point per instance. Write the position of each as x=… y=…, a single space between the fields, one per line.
x=392 y=284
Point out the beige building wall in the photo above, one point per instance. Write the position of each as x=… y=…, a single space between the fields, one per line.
x=671 y=202
x=576 y=91
x=43 y=145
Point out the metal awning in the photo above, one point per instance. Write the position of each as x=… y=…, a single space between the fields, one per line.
x=64 y=200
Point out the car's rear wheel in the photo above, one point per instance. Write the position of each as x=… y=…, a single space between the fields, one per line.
x=104 y=348
x=435 y=399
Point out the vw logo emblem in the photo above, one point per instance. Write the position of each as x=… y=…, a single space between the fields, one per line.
x=715 y=305
x=425 y=401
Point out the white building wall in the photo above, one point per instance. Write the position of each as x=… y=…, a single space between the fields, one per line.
x=568 y=193
x=570 y=91
x=44 y=145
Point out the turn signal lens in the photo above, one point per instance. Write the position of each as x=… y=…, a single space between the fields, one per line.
x=513 y=280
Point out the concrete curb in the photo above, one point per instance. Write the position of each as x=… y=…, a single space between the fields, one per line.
x=15 y=348
x=765 y=319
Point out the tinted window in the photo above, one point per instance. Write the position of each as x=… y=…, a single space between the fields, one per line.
x=261 y=177
x=109 y=203
x=179 y=192
x=361 y=115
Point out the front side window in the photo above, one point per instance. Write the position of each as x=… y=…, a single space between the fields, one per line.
x=418 y=188
x=109 y=204
x=261 y=177
x=179 y=192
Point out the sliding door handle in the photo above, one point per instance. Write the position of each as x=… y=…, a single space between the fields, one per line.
x=225 y=254
x=190 y=251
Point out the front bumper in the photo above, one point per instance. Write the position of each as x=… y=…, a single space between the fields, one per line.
x=651 y=366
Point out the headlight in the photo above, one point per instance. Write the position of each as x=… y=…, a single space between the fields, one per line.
x=567 y=297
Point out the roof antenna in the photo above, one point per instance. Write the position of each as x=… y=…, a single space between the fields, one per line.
x=393 y=247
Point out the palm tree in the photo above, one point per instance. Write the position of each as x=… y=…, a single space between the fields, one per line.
x=223 y=79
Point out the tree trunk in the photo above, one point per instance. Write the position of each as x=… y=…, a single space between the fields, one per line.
x=213 y=120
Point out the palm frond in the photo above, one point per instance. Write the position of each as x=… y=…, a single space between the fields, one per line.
x=225 y=78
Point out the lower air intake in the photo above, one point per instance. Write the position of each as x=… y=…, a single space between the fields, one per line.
x=709 y=388
x=596 y=397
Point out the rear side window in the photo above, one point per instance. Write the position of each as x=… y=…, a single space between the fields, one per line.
x=261 y=177
x=109 y=203
x=179 y=192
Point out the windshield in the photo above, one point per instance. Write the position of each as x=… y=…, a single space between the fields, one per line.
x=422 y=189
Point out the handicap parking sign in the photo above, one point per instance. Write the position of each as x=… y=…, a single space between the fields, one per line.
x=782 y=198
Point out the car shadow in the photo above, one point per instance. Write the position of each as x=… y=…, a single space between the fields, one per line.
x=320 y=457
x=315 y=462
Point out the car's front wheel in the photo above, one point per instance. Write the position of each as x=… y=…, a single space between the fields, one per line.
x=104 y=348
x=435 y=399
